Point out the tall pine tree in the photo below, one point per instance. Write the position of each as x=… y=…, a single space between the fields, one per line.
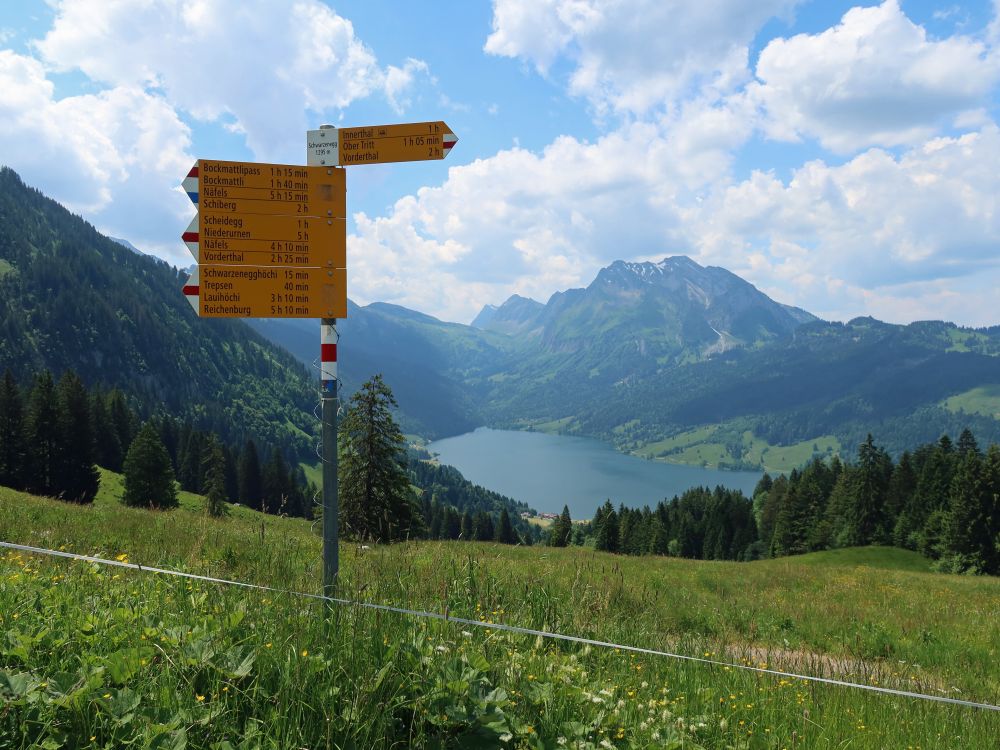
x=42 y=436
x=149 y=476
x=215 y=478
x=505 y=531
x=248 y=476
x=77 y=478
x=375 y=496
x=966 y=536
x=561 y=529
x=108 y=450
x=12 y=450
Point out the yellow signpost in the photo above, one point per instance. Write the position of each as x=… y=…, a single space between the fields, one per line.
x=269 y=292
x=281 y=189
x=271 y=242
x=380 y=144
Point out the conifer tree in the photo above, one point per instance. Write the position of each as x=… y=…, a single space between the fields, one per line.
x=866 y=515
x=991 y=493
x=902 y=485
x=77 y=479
x=437 y=521
x=215 y=479
x=660 y=539
x=190 y=471
x=276 y=485
x=375 y=496
x=606 y=536
x=482 y=527
x=122 y=418
x=967 y=527
x=505 y=531
x=766 y=507
x=627 y=529
x=562 y=529
x=967 y=443
x=42 y=436
x=108 y=451
x=13 y=456
x=149 y=477
x=451 y=525
x=170 y=436
x=467 y=530
x=231 y=474
x=250 y=492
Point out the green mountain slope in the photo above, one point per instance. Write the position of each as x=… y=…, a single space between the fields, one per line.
x=832 y=379
x=72 y=298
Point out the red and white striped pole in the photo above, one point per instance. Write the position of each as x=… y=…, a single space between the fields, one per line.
x=331 y=504
x=328 y=355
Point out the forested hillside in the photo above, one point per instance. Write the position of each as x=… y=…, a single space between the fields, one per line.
x=71 y=298
x=835 y=379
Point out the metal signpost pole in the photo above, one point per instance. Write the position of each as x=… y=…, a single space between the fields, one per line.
x=328 y=375
x=328 y=397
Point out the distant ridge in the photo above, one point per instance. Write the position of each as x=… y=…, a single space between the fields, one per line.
x=515 y=315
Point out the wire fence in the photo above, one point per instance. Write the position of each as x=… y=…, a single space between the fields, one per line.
x=516 y=629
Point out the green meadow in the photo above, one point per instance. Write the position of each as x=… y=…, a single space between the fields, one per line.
x=101 y=657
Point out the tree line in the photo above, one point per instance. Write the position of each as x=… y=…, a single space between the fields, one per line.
x=54 y=435
x=942 y=499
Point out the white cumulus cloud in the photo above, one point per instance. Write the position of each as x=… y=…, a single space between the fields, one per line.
x=874 y=79
x=634 y=55
x=265 y=65
x=877 y=235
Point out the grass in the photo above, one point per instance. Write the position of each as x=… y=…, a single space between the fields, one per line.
x=553 y=427
x=984 y=400
x=123 y=657
x=313 y=472
x=784 y=458
x=706 y=446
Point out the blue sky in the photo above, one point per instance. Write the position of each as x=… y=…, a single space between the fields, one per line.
x=842 y=157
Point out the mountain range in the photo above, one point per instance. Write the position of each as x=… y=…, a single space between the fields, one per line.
x=677 y=361
x=669 y=360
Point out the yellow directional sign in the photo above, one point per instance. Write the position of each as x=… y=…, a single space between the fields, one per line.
x=276 y=207
x=238 y=187
x=268 y=292
x=223 y=226
x=212 y=173
x=380 y=144
x=257 y=240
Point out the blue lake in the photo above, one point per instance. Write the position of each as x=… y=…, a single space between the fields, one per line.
x=549 y=471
